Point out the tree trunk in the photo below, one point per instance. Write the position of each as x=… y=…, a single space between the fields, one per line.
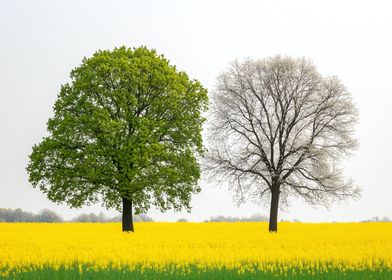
x=127 y=222
x=273 y=221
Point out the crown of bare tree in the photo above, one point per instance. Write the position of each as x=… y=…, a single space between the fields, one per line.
x=278 y=129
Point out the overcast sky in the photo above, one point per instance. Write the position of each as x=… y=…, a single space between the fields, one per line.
x=41 y=41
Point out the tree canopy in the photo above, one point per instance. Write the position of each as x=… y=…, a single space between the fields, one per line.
x=279 y=130
x=126 y=130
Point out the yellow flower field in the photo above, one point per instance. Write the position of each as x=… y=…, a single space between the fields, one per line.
x=238 y=246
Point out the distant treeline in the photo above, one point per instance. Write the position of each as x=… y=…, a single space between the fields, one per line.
x=378 y=219
x=49 y=216
x=101 y=218
x=253 y=218
x=263 y=218
x=18 y=215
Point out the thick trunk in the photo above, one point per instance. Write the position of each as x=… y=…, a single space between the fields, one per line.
x=127 y=222
x=273 y=221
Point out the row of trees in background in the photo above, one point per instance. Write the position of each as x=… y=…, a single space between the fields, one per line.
x=49 y=216
x=253 y=218
x=18 y=215
x=101 y=218
x=378 y=219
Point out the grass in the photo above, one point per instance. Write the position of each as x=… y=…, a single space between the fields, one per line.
x=74 y=274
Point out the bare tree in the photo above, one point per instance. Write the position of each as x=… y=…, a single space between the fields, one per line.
x=278 y=129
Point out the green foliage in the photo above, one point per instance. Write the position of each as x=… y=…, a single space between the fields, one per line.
x=127 y=125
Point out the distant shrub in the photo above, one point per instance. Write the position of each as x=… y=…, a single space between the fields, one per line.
x=253 y=218
x=90 y=218
x=48 y=216
x=101 y=218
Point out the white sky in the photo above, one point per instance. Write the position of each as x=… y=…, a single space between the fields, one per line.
x=41 y=41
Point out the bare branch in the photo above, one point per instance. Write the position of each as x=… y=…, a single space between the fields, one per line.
x=278 y=122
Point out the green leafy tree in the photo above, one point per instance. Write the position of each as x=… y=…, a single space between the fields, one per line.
x=126 y=131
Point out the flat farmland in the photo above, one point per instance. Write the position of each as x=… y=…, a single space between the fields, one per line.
x=196 y=251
